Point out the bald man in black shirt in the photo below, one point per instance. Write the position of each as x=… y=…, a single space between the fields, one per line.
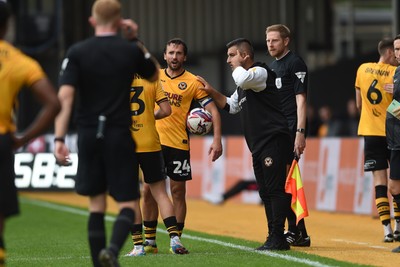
x=99 y=71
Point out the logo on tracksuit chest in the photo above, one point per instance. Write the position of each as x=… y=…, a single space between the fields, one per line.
x=268 y=161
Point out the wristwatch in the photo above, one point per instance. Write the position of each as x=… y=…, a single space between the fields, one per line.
x=301 y=130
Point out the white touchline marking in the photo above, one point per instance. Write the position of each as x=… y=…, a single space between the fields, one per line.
x=60 y=207
x=268 y=253
x=359 y=243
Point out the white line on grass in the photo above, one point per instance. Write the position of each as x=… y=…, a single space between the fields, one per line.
x=268 y=253
x=360 y=243
x=60 y=207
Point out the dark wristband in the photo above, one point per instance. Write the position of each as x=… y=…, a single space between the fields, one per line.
x=59 y=139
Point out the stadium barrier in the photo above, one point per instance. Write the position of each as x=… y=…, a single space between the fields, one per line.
x=331 y=169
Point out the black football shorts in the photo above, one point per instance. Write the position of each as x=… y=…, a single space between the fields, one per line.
x=177 y=163
x=108 y=164
x=8 y=192
x=376 y=153
x=152 y=165
x=395 y=165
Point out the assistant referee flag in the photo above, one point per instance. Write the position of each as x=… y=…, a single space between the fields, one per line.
x=294 y=186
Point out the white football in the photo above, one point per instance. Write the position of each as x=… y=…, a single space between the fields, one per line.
x=199 y=121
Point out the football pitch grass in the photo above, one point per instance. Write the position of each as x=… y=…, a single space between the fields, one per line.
x=48 y=234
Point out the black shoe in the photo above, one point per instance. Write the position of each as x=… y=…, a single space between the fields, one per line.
x=107 y=258
x=297 y=240
x=266 y=244
x=274 y=243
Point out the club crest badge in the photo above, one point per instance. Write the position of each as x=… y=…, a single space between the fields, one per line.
x=268 y=161
x=182 y=85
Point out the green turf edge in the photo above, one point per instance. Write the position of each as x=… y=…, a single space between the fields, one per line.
x=58 y=232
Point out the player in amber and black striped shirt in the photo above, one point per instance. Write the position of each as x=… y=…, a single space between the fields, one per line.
x=144 y=96
x=372 y=97
x=16 y=71
x=181 y=87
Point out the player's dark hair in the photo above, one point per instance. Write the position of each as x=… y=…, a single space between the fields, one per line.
x=384 y=44
x=282 y=29
x=397 y=37
x=5 y=13
x=177 y=41
x=242 y=44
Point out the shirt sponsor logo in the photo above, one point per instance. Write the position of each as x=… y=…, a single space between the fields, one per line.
x=136 y=126
x=174 y=99
x=375 y=112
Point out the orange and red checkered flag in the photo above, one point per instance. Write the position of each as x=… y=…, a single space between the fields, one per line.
x=294 y=186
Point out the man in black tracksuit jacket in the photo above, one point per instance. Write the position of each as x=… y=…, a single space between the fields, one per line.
x=265 y=130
